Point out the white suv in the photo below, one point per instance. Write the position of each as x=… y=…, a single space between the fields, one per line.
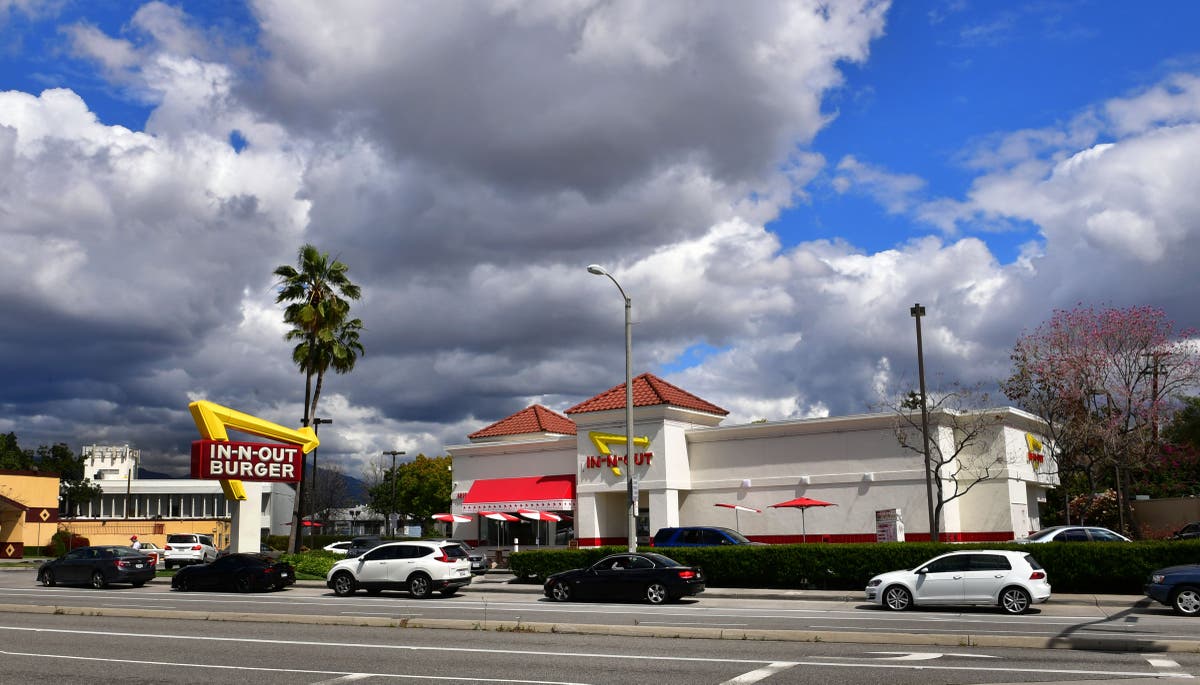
x=419 y=567
x=1011 y=580
x=188 y=548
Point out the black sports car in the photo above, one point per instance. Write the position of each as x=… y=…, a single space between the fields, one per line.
x=240 y=572
x=98 y=566
x=652 y=577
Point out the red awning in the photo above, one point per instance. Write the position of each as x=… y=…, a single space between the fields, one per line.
x=553 y=493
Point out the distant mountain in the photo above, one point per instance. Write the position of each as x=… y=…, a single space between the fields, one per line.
x=355 y=488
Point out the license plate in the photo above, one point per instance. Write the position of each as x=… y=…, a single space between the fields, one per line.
x=284 y=574
x=460 y=573
x=138 y=565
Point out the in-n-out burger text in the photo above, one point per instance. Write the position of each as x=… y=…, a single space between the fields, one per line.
x=607 y=461
x=252 y=461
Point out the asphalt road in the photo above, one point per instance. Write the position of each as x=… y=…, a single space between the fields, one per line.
x=65 y=648
x=492 y=604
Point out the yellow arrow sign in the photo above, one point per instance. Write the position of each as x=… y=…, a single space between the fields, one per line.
x=212 y=420
x=602 y=441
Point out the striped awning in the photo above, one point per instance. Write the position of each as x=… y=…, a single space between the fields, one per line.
x=550 y=493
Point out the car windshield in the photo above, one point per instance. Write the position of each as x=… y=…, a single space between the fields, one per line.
x=736 y=536
x=660 y=560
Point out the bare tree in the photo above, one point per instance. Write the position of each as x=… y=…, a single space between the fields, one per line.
x=964 y=449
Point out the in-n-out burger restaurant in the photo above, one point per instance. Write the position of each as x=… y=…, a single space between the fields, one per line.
x=689 y=469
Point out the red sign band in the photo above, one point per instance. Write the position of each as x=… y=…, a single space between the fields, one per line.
x=252 y=461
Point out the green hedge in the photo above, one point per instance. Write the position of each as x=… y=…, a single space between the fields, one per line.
x=1094 y=567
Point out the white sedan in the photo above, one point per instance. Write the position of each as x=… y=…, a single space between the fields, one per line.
x=338 y=547
x=1011 y=580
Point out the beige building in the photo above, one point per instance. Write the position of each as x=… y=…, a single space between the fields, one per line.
x=693 y=468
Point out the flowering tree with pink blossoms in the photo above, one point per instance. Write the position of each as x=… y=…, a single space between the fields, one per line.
x=1104 y=381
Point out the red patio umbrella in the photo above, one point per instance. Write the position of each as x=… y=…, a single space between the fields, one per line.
x=802 y=503
x=500 y=516
x=539 y=516
x=736 y=508
x=451 y=518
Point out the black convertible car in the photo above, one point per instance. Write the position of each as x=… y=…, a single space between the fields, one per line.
x=239 y=572
x=650 y=577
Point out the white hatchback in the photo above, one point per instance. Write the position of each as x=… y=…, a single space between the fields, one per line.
x=1014 y=581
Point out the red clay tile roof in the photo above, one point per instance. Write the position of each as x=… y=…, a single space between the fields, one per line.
x=648 y=390
x=534 y=419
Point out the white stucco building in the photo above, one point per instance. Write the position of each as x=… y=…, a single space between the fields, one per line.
x=540 y=460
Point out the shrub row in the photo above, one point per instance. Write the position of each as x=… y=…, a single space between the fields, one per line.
x=1094 y=567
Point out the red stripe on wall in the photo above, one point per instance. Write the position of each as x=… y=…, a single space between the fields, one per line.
x=993 y=536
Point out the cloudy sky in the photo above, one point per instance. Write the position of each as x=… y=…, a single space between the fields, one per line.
x=773 y=183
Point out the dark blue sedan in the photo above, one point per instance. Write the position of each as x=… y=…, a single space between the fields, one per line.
x=1178 y=587
x=98 y=566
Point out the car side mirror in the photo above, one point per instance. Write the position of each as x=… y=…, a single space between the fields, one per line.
x=922 y=571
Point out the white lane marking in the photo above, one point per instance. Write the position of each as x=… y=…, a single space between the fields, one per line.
x=147 y=662
x=760 y=673
x=1173 y=669
x=344 y=679
x=926 y=656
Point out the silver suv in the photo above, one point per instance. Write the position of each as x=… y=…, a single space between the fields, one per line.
x=188 y=548
x=419 y=567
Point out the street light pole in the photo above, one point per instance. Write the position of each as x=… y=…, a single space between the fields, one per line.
x=392 y=502
x=631 y=498
x=917 y=311
x=316 y=424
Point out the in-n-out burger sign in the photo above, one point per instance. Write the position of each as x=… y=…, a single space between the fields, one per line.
x=253 y=461
x=608 y=461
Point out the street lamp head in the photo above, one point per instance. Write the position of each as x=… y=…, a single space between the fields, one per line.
x=597 y=270
x=917 y=310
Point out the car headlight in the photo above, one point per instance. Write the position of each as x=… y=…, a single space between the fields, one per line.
x=874 y=582
x=1157 y=578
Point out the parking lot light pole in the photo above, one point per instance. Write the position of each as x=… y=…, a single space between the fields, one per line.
x=631 y=500
x=392 y=502
x=917 y=311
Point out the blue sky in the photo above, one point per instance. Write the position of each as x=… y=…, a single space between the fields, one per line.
x=774 y=184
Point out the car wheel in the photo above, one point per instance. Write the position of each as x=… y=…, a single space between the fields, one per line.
x=243 y=583
x=98 y=580
x=182 y=584
x=1186 y=601
x=48 y=578
x=1014 y=600
x=419 y=586
x=656 y=593
x=897 y=598
x=561 y=592
x=344 y=584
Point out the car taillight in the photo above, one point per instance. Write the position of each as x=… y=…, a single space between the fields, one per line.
x=444 y=557
x=121 y=563
x=687 y=575
x=166 y=547
x=196 y=548
x=1037 y=575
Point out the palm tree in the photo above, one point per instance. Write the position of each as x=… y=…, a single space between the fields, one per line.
x=338 y=349
x=317 y=292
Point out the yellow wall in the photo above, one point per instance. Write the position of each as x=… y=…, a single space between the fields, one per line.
x=34 y=525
